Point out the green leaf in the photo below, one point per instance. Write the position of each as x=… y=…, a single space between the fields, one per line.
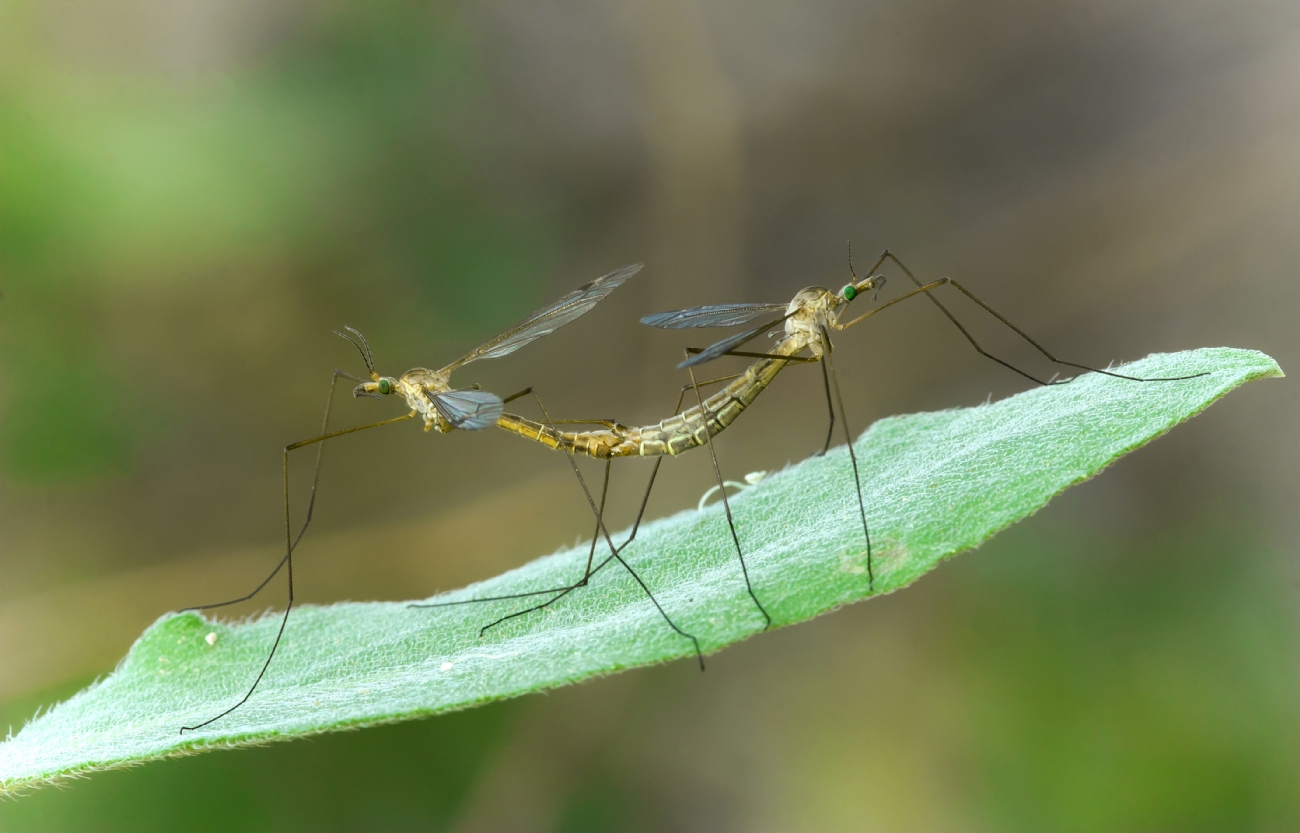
x=935 y=484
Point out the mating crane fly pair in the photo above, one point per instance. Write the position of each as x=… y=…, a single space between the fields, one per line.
x=804 y=325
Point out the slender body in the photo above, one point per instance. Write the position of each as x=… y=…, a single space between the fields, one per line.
x=811 y=311
x=808 y=321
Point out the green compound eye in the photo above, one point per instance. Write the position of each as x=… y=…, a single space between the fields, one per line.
x=849 y=292
x=384 y=387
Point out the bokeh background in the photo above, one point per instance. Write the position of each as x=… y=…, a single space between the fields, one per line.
x=194 y=194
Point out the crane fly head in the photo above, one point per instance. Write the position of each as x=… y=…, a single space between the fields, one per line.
x=854 y=288
x=363 y=347
x=381 y=387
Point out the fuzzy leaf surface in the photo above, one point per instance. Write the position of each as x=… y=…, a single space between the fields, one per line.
x=935 y=484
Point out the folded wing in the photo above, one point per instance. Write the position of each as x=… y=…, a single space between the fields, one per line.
x=721 y=348
x=718 y=315
x=472 y=410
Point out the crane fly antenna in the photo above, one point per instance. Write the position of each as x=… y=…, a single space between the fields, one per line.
x=370 y=361
x=363 y=348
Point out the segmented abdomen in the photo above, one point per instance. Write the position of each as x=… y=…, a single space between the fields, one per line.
x=671 y=436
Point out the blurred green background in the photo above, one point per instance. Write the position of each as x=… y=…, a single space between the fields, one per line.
x=194 y=194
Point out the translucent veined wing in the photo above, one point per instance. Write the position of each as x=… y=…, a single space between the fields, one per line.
x=719 y=315
x=720 y=348
x=550 y=318
x=470 y=409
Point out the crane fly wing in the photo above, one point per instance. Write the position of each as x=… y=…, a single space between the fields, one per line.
x=472 y=410
x=720 y=348
x=719 y=315
x=550 y=318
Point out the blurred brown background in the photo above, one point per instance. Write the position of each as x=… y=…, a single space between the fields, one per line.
x=194 y=194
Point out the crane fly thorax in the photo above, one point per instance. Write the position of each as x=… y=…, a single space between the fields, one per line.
x=811 y=313
x=414 y=387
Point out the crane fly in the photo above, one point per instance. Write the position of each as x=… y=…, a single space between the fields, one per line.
x=804 y=325
x=429 y=394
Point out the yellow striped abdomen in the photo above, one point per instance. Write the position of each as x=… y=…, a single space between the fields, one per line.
x=672 y=436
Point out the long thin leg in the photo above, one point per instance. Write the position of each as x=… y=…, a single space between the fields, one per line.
x=311 y=503
x=561 y=592
x=288 y=557
x=614 y=551
x=726 y=504
x=582 y=582
x=887 y=255
x=853 y=457
x=595 y=535
x=645 y=499
x=830 y=408
x=693 y=350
